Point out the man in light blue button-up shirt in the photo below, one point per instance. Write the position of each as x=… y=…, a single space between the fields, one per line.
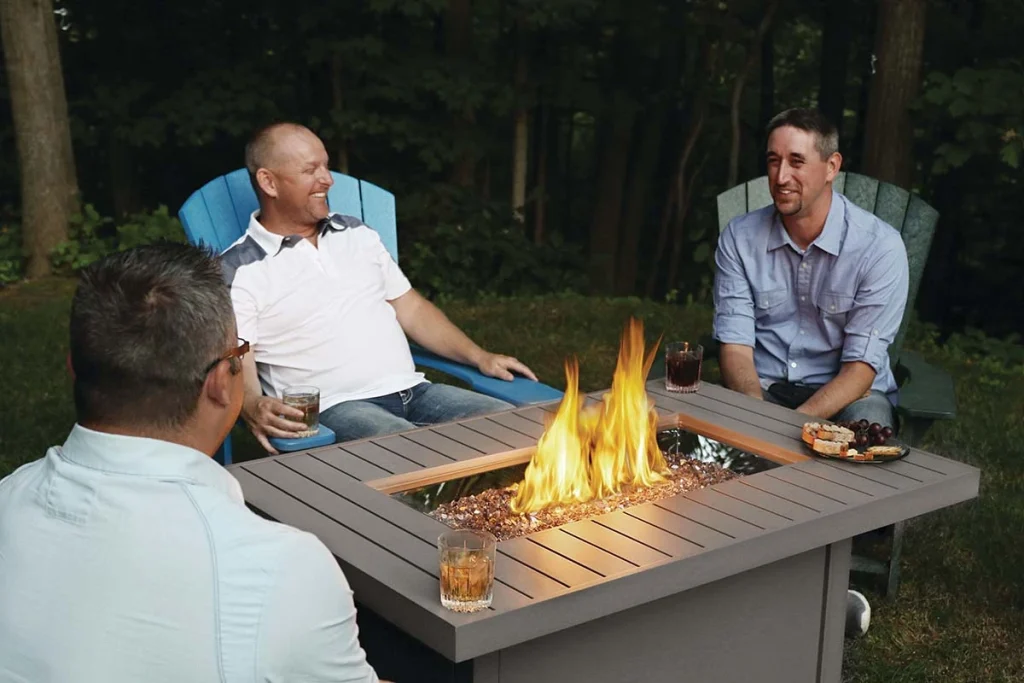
x=128 y=554
x=810 y=291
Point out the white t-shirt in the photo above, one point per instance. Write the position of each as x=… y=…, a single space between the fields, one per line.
x=320 y=315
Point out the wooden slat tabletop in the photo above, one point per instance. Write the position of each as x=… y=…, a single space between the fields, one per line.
x=622 y=558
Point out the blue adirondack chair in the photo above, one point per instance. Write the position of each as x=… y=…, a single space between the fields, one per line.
x=218 y=213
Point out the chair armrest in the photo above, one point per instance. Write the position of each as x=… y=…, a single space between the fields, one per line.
x=928 y=391
x=520 y=391
x=323 y=437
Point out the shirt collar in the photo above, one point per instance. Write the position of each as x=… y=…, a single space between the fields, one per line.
x=831 y=238
x=273 y=243
x=144 y=457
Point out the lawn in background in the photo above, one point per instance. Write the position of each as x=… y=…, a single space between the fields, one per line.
x=959 y=616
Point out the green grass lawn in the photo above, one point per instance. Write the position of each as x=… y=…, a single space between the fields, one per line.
x=959 y=616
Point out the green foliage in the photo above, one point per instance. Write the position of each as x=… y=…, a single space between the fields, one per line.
x=93 y=236
x=470 y=248
x=12 y=256
x=984 y=108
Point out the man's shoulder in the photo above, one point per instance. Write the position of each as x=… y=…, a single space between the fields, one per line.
x=750 y=226
x=243 y=252
x=871 y=229
x=243 y=534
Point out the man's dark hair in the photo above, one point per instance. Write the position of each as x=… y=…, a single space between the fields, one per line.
x=826 y=136
x=145 y=325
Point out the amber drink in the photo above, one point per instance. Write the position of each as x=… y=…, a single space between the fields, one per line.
x=467 y=569
x=306 y=399
x=682 y=366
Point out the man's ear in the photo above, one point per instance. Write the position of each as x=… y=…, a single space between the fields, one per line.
x=267 y=182
x=219 y=384
x=835 y=162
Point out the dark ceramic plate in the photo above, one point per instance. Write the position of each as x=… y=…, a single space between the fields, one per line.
x=904 y=452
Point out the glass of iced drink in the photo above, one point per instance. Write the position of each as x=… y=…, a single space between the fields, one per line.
x=306 y=399
x=682 y=366
x=467 y=569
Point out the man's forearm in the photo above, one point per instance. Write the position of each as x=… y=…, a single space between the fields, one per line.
x=738 y=371
x=428 y=326
x=853 y=382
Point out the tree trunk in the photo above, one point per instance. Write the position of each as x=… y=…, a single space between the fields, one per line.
x=521 y=130
x=604 y=228
x=338 y=97
x=49 y=190
x=753 y=52
x=543 y=127
x=458 y=39
x=835 y=55
x=634 y=214
x=899 y=43
x=767 y=97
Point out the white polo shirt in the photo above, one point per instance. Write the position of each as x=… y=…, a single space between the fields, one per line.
x=320 y=315
x=124 y=559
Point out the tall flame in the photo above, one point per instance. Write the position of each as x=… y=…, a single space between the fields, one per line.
x=588 y=453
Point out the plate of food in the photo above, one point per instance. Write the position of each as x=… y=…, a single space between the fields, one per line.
x=860 y=442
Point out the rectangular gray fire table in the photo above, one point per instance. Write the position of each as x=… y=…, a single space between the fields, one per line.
x=741 y=581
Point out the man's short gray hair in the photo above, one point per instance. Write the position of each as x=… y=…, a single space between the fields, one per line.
x=826 y=136
x=145 y=326
x=260 y=148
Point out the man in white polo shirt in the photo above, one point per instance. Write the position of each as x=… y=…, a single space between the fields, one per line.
x=323 y=303
x=128 y=554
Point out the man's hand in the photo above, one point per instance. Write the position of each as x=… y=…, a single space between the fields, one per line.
x=494 y=365
x=267 y=417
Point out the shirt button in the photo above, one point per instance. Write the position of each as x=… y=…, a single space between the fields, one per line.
x=803 y=298
x=803 y=266
x=803 y=332
x=832 y=307
x=793 y=364
x=874 y=333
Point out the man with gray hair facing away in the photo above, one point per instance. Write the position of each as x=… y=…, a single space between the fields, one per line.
x=128 y=554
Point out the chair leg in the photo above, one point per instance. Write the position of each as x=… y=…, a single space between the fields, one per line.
x=892 y=584
x=223 y=455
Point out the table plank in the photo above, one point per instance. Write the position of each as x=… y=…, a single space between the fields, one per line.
x=850 y=477
x=648 y=534
x=435 y=441
x=476 y=440
x=381 y=457
x=410 y=450
x=593 y=558
x=519 y=424
x=614 y=542
x=683 y=527
x=547 y=562
x=815 y=502
x=695 y=511
x=510 y=438
x=766 y=510
x=349 y=463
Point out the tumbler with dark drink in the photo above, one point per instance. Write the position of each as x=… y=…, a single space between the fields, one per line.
x=682 y=366
x=306 y=399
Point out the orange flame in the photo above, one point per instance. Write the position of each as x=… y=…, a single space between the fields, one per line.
x=588 y=453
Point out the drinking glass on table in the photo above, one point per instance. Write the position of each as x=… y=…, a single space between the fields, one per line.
x=306 y=399
x=682 y=366
x=467 y=569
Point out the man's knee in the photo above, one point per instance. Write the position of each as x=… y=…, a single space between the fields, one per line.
x=361 y=420
x=443 y=403
x=874 y=408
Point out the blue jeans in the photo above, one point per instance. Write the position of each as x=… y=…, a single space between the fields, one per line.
x=873 y=408
x=423 y=404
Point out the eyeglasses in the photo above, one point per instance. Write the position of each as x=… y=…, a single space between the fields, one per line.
x=237 y=352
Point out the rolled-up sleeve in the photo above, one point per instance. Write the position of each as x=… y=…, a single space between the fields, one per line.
x=734 y=303
x=881 y=298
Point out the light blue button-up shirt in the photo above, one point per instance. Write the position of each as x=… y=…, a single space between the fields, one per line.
x=805 y=312
x=125 y=559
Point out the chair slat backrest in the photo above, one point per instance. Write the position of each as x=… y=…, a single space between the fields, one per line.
x=906 y=212
x=218 y=213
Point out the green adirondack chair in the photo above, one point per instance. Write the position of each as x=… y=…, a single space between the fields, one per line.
x=926 y=392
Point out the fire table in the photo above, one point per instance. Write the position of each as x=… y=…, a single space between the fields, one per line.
x=742 y=580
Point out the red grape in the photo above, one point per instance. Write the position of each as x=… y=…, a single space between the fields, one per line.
x=877 y=440
x=862 y=439
x=875 y=428
x=887 y=432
